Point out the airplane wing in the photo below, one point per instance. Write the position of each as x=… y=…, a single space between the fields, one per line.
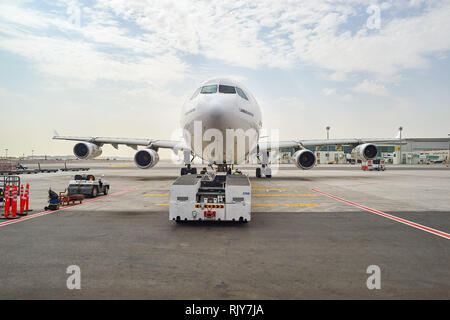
x=129 y=142
x=300 y=144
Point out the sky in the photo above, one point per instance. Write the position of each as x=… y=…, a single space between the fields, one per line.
x=124 y=68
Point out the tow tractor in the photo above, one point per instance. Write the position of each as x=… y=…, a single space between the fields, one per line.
x=211 y=196
x=87 y=185
x=377 y=164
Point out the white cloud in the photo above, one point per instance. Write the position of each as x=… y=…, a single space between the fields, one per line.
x=371 y=87
x=284 y=103
x=346 y=98
x=329 y=91
x=252 y=35
x=3 y=92
x=333 y=92
x=402 y=43
x=337 y=76
x=80 y=61
x=284 y=33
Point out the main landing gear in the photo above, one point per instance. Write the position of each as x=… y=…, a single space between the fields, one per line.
x=263 y=172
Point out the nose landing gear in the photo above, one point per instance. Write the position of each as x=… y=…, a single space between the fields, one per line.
x=264 y=171
x=187 y=163
x=187 y=170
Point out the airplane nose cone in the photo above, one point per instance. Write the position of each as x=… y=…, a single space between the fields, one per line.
x=217 y=111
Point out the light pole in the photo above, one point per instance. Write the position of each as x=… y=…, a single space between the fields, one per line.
x=448 y=158
x=6 y=153
x=32 y=154
x=328 y=146
x=400 y=129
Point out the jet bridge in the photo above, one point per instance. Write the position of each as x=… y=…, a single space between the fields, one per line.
x=210 y=197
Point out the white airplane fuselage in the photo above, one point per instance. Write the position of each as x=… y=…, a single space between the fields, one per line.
x=217 y=111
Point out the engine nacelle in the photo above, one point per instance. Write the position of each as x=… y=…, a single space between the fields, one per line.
x=304 y=159
x=364 y=152
x=86 y=150
x=146 y=158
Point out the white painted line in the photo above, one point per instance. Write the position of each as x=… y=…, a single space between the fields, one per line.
x=390 y=216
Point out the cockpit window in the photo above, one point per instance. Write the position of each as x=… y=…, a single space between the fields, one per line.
x=209 y=89
x=226 y=89
x=241 y=93
x=195 y=93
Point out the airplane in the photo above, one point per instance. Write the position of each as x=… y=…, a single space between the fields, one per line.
x=222 y=105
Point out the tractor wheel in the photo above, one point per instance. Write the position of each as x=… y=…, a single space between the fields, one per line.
x=94 y=192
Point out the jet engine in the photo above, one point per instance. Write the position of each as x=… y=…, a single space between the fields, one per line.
x=364 y=152
x=146 y=158
x=304 y=159
x=86 y=150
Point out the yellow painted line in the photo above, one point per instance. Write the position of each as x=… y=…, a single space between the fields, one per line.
x=264 y=205
x=300 y=205
x=283 y=195
x=162 y=204
x=278 y=189
x=156 y=194
x=258 y=186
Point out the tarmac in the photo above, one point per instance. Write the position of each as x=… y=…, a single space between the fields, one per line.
x=313 y=235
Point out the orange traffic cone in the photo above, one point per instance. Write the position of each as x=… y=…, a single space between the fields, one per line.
x=14 y=201
x=7 y=202
x=22 y=200
x=27 y=197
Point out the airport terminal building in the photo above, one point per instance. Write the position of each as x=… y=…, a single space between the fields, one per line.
x=415 y=151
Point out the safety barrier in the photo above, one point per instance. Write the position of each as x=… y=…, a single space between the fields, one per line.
x=11 y=194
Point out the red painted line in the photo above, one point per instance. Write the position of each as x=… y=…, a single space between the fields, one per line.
x=390 y=216
x=40 y=214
